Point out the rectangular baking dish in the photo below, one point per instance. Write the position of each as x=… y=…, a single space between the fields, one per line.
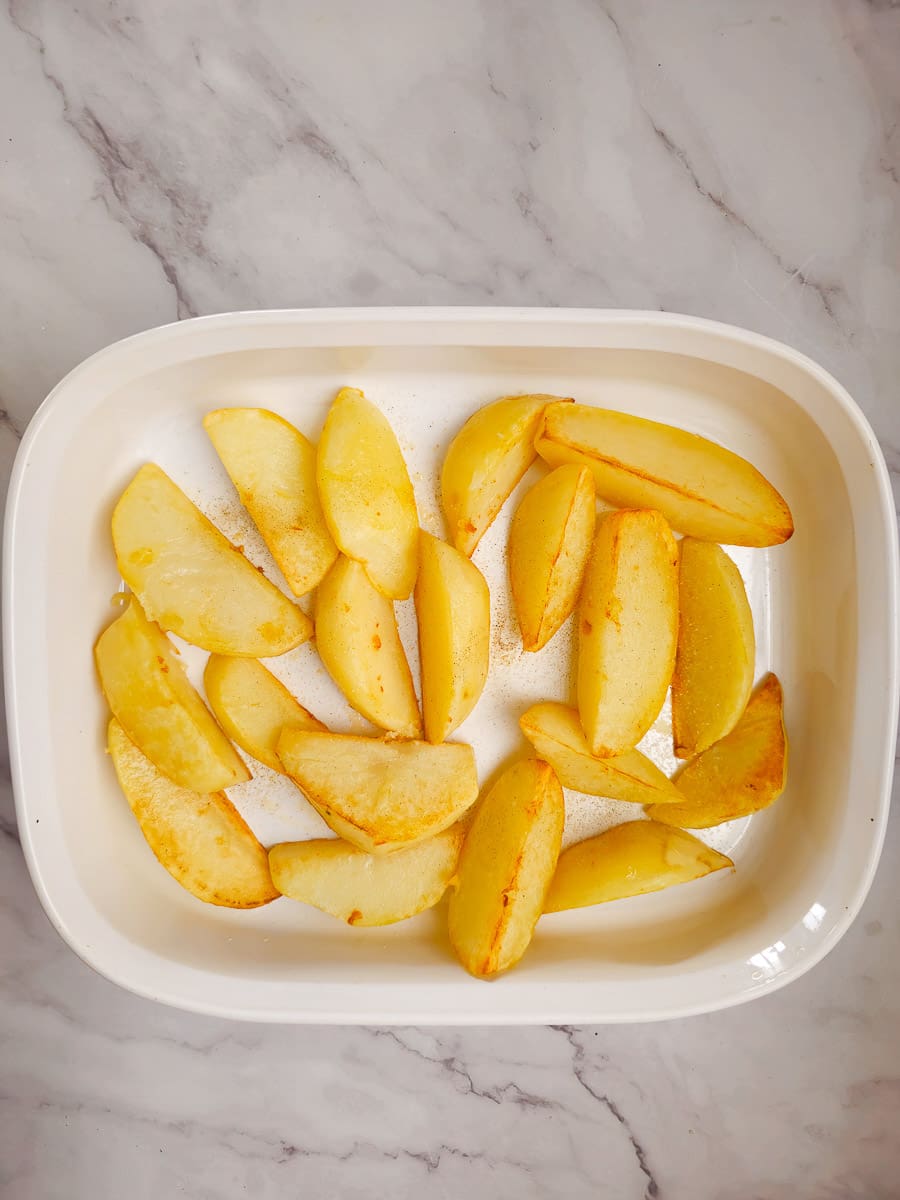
x=825 y=607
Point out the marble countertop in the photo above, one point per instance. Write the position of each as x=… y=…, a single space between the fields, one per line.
x=738 y=159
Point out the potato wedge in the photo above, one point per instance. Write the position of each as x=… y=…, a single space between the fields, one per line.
x=366 y=493
x=549 y=542
x=357 y=640
x=366 y=889
x=192 y=581
x=201 y=839
x=453 y=609
x=253 y=707
x=629 y=860
x=148 y=692
x=716 y=652
x=701 y=488
x=381 y=795
x=486 y=460
x=273 y=467
x=627 y=629
x=556 y=734
x=739 y=775
x=507 y=862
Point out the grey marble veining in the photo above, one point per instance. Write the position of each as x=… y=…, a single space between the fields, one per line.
x=737 y=159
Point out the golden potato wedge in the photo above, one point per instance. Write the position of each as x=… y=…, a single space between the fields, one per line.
x=201 y=839
x=507 y=862
x=556 y=734
x=192 y=581
x=629 y=860
x=367 y=889
x=453 y=609
x=628 y=624
x=701 y=488
x=366 y=493
x=253 y=707
x=739 y=775
x=486 y=460
x=381 y=795
x=549 y=542
x=716 y=648
x=148 y=692
x=357 y=640
x=273 y=467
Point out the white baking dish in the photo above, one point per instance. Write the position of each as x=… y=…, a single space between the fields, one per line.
x=825 y=607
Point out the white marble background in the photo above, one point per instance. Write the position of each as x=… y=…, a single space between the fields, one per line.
x=734 y=158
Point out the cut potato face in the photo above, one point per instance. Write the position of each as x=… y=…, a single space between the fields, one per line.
x=366 y=889
x=253 y=707
x=549 y=542
x=743 y=773
x=628 y=623
x=150 y=695
x=505 y=868
x=556 y=734
x=453 y=608
x=192 y=581
x=273 y=467
x=701 y=488
x=486 y=460
x=366 y=493
x=381 y=795
x=357 y=640
x=201 y=839
x=716 y=648
x=629 y=860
